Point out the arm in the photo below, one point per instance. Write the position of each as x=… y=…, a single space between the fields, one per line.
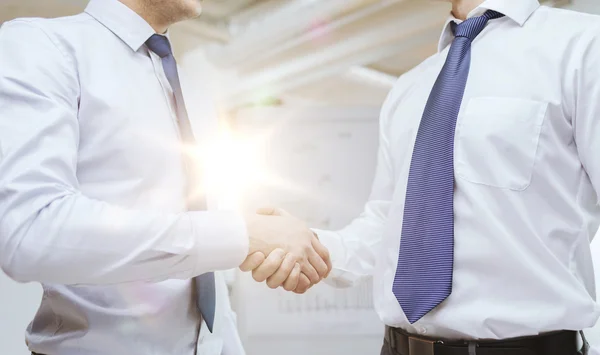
x=586 y=119
x=49 y=231
x=586 y=123
x=353 y=249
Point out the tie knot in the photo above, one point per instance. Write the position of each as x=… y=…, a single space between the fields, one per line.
x=159 y=45
x=472 y=27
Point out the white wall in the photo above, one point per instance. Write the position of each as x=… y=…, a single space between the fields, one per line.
x=591 y=6
x=18 y=304
x=321 y=162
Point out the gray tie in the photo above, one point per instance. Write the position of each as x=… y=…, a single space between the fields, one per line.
x=196 y=201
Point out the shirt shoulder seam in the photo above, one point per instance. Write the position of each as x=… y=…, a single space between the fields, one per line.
x=50 y=38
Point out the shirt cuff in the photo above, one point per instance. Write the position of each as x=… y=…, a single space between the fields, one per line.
x=339 y=276
x=333 y=243
x=221 y=240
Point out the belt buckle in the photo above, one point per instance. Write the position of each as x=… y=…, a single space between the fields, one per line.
x=420 y=346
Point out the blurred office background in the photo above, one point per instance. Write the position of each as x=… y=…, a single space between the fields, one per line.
x=309 y=78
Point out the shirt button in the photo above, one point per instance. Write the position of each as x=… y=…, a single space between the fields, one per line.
x=422 y=330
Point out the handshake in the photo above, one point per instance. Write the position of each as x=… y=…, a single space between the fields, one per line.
x=284 y=251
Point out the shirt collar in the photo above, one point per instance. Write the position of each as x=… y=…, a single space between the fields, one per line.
x=517 y=10
x=125 y=23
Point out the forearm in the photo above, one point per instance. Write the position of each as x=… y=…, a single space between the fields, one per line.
x=353 y=249
x=76 y=240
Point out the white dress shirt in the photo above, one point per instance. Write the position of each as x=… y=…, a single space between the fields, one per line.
x=92 y=188
x=527 y=174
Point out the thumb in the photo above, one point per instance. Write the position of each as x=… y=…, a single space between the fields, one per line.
x=267 y=211
x=272 y=211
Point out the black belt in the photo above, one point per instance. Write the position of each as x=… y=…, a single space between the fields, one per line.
x=557 y=343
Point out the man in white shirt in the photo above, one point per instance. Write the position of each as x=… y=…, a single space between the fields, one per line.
x=103 y=198
x=485 y=200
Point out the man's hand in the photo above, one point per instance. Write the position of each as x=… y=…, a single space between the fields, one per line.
x=285 y=241
x=285 y=268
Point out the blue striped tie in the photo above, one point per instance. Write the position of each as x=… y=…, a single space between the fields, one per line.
x=205 y=283
x=424 y=274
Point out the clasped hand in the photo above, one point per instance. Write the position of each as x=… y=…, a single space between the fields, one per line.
x=284 y=251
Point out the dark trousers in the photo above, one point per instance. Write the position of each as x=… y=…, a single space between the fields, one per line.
x=386 y=349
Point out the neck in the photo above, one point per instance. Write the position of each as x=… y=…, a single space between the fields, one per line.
x=148 y=14
x=462 y=8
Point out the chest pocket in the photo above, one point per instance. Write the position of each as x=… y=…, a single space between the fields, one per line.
x=497 y=141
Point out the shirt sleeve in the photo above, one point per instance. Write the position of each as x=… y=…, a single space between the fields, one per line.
x=586 y=119
x=50 y=231
x=354 y=249
x=586 y=123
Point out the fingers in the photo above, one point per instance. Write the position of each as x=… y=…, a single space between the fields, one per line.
x=323 y=253
x=267 y=211
x=252 y=261
x=303 y=284
x=299 y=241
x=280 y=276
x=293 y=280
x=269 y=266
x=318 y=264
x=310 y=272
